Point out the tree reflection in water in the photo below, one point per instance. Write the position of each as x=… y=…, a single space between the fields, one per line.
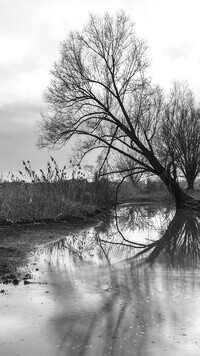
x=111 y=299
x=180 y=244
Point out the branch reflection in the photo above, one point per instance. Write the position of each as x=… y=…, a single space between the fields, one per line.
x=179 y=245
x=109 y=302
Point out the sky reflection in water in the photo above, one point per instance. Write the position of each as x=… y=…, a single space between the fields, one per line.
x=108 y=298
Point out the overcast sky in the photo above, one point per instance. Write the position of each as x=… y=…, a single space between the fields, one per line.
x=30 y=33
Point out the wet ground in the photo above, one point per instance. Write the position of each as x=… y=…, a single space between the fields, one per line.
x=88 y=293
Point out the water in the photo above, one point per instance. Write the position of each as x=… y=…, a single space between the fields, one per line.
x=131 y=289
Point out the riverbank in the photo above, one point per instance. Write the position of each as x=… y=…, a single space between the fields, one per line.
x=18 y=242
x=22 y=202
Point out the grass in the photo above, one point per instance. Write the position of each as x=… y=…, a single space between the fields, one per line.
x=51 y=195
x=32 y=202
x=22 y=202
x=60 y=199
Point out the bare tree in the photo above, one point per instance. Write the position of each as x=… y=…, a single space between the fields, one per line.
x=181 y=132
x=101 y=92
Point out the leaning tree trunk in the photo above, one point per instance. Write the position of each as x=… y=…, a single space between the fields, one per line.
x=175 y=190
x=190 y=183
x=182 y=200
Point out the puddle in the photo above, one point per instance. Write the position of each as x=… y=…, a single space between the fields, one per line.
x=89 y=295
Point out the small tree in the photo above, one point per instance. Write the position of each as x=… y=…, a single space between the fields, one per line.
x=101 y=92
x=181 y=132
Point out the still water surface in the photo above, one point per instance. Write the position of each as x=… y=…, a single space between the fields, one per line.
x=126 y=289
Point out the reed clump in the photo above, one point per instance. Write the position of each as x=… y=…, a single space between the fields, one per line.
x=50 y=195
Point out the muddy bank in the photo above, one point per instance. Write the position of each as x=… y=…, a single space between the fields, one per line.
x=18 y=242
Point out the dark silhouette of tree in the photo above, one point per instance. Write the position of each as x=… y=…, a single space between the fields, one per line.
x=180 y=243
x=181 y=132
x=101 y=92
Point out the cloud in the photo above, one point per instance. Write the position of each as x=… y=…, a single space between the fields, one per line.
x=11 y=69
x=18 y=116
x=178 y=51
x=17 y=144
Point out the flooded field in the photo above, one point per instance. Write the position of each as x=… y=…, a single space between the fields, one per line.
x=129 y=286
